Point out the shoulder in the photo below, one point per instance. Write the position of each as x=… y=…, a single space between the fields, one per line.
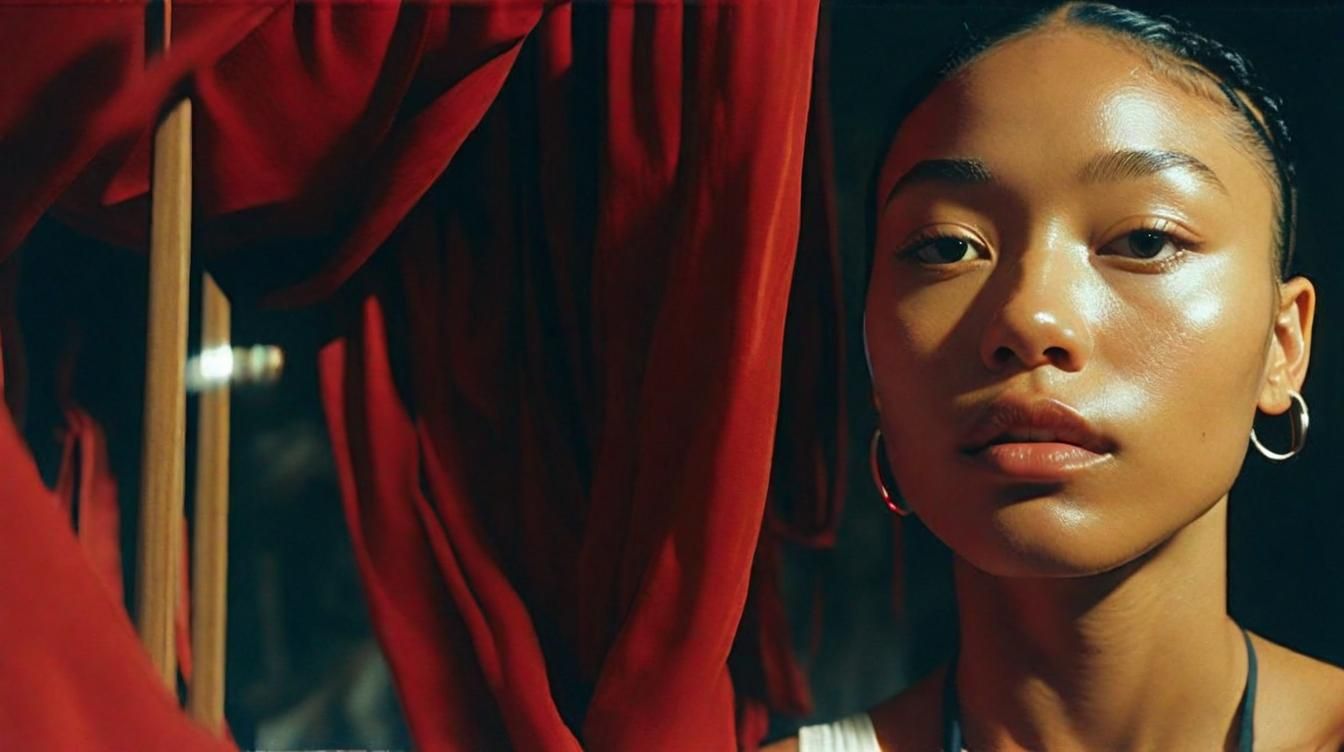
x=909 y=721
x=1299 y=700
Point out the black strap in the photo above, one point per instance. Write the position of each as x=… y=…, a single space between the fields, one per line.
x=1246 y=733
x=951 y=709
x=1246 y=711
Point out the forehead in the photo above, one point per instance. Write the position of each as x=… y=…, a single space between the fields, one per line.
x=1039 y=106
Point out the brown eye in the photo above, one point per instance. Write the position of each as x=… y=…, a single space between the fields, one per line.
x=1142 y=244
x=944 y=250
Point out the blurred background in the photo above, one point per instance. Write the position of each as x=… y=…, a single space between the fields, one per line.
x=303 y=668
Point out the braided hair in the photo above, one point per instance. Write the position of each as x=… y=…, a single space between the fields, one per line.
x=1169 y=40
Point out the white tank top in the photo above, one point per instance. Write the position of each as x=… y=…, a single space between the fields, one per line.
x=852 y=734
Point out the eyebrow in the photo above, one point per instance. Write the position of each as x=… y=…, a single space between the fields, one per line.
x=1137 y=163
x=953 y=171
x=1111 y=166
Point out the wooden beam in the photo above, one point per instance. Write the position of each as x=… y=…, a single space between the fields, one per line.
x=163 y=459
x=210 y=536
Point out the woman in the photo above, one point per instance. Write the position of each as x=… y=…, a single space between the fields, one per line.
x=1076 y=306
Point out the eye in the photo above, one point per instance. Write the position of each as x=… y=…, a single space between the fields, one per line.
x=945 y=249
x=1143 y=244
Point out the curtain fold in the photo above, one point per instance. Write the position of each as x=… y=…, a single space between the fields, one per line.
x=562 y=246
x=594 y=369
x=69 y=648
x=76 y=107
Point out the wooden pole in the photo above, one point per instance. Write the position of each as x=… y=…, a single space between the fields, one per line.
x=210 y=536
x=163 y=458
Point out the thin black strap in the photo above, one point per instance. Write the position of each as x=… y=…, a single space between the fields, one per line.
x=951 y=710
x=1245 y=731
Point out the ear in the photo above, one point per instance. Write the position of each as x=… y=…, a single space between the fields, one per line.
x=1290 y=347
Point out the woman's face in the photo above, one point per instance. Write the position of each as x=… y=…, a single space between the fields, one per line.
x=1072 y=316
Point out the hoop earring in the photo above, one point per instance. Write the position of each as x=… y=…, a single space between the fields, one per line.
x=894 y=502
x=1300 y=419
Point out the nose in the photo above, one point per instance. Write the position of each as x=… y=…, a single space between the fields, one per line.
x=1040 y=321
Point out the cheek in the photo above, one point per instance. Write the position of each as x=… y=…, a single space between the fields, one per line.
x=1186 y=355
x=913 y=335
x=916 y=355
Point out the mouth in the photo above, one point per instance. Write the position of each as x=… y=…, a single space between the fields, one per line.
x=1035 y=440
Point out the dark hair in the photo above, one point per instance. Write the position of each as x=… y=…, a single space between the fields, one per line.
x=1166 y=36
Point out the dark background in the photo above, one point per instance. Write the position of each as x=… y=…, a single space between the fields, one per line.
x=303 y=669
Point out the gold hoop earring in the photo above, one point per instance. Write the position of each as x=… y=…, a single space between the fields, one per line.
x=894 y=502
x=1300 y=419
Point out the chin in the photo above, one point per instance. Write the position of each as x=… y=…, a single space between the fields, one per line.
x=1044 y=535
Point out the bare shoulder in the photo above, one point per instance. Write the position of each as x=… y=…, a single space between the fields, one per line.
x=1299 y=700
x=908 y=721
x=783 y=745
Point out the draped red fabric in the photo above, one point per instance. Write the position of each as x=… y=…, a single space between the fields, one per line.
x=554 y=390
x=74 y=675
x=79 y=97
x=86 y=483
x=315 y=132
x=807 y=483
x=13 y=384
x=84 y=498
x=87 y=493
x=582 y=446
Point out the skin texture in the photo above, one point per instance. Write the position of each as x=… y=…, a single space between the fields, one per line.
x=1092 y=611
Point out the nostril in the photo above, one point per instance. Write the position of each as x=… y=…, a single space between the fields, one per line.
x=1060 y=357
x=1057 y=355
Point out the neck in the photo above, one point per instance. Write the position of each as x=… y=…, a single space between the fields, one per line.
x=1143 y=656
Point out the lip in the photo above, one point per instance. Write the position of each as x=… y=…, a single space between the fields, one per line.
x=1035 y=439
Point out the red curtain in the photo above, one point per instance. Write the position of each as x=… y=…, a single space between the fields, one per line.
x=73 y=673
x=554 y=391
